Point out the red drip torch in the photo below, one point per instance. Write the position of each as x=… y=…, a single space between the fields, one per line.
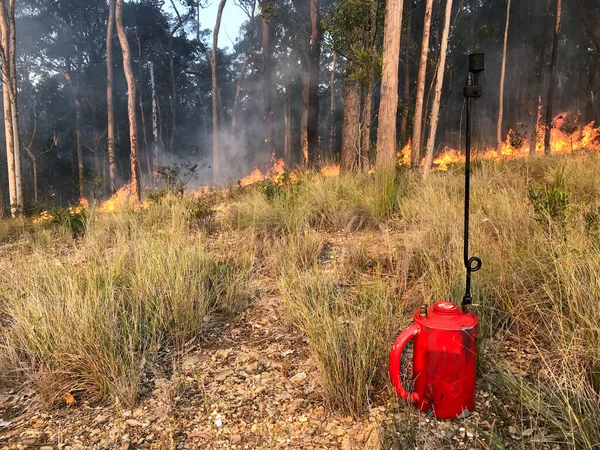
x=445 y=348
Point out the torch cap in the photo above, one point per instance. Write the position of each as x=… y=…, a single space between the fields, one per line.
x=476 y=62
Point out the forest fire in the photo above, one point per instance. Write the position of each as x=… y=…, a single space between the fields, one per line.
x=565 y=138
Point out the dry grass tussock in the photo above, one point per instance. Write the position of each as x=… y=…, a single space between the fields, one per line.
x=88 y=319
x=350 y=264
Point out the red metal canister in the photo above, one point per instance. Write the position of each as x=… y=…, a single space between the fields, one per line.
x=444 y=361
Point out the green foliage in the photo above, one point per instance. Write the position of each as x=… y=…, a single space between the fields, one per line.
x=72 y=218
x=549 y=203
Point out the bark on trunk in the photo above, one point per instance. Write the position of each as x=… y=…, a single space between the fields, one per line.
x=552 y=86
x=131 y=99
x=313 y=83
x=418 y=122
x=8 y=124
x=502 y=75
x=538 y=81
x=332 y=106
x=351 y=127
x=109 y=98
x=215 y=98
x=435 y=110
x=388 y=107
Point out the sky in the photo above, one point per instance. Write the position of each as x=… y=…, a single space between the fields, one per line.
x=233 y=17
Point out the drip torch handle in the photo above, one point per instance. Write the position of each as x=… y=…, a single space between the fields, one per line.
x=395 y=361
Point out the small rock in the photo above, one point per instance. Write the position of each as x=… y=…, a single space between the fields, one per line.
x=133 y=423
x=512 y=430
x=100 y=419
x=298 y=378
x=235 y=439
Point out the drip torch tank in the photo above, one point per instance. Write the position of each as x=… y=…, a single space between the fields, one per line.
x=445 y=348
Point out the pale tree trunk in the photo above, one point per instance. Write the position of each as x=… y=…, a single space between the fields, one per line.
x=8 y=124
x=351 y=126
x=109 y=98
x=267 y=13
x=406 y=109
x=12 y=154
x=214 y=95
x=131 y=99
x=418 y=121
x=502 y=75
x=435 y=110
x=552 y=86
x=313 y=83
x=388 y=106
x=155 y=140
x=14 y=103
x=332 y=105
x=287 y=118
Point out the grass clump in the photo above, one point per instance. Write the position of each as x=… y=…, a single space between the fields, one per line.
x=89 y=322
x=346 y=329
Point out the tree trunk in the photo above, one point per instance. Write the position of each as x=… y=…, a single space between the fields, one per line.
x=287 y=118
x=367 y=117
x=351 y=126
x=552 y=86
x=435 y=110
x=388 y=106
x=267 y=13
x=332 y=106
x=173 y=135
x=238 y=90
x=502 y=75
x=214 y=95
x=418 y=121
x=12 y=51
x=142 y=114
x=588 y=26
x=304 y=117
x=313 y=83
x=109 y=98
x=406 y=109
x=8 y=124
x=131 y=99
x=155 y=140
